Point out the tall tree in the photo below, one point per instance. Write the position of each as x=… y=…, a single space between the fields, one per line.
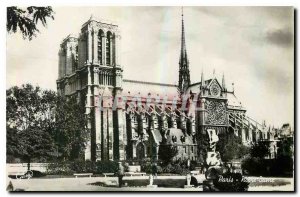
x=167 y=152
x=260 y=149
x=26 y=19
x=29 y=119
x=71 y=131
x=231 y=147
x=41 y=125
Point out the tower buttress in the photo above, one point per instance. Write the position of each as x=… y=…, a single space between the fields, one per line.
x=184 y=72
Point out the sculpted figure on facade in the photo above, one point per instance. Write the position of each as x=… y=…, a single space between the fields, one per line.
x=183 y=122
x=174 y=121
x=133 y=124
x=193 y=125
x=154 y=124
x=164 y=122
x=144 y=126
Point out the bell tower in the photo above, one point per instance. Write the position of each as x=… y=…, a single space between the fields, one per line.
x=99 y=63
x=184 y=72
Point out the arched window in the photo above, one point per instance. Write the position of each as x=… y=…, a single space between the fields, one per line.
x=108 y=47
x=75 y=60
x=100 y=45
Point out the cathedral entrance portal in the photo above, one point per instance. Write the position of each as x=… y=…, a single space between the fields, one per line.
x=140 y=151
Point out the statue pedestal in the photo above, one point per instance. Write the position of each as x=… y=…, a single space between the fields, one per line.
x=188 y=181
x=151 y=182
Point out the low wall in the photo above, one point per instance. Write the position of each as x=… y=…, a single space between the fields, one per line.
x=12 y=168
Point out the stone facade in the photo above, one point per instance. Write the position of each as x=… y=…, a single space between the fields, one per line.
x=130 y=119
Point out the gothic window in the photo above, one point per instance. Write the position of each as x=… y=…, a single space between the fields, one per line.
x=108 y=47
x=216 y=113
x=100 y=45
x=215 y=89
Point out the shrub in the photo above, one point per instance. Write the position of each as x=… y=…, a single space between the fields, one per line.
x=146 y=167
x=106 y=167
x=126 y=167
x=253 y=166
x=80 y=166
x=159 y=170
x=59 y=169
x=37 y=174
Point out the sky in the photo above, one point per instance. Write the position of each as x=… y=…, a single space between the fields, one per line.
x=252 y=46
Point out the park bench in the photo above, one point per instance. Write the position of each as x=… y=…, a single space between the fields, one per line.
x=108 y=174
x=135 y=173
x=83 y=174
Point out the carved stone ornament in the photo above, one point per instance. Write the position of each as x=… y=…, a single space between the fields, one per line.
x=215 y=89
x=216 y=113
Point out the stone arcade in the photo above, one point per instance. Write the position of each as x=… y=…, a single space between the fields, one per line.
x=123 y=123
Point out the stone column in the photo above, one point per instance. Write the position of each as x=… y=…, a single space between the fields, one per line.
x=124 y=137
x=88 y=151
x=104 y=49
x=98 y=129
x=104 y=143
x=134 y=149
x=89 y=46
x=243 y=134
x=96 y=76
x=110 y=135
x=95 y=60
x=117 y=49
x=111 y=50
x=89 y=93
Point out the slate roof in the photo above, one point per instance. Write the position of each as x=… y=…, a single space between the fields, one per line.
x=141 y=88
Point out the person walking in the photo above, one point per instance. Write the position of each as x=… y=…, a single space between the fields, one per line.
x=120 y=173
x=154 y=170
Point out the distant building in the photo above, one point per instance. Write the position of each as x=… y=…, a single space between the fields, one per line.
x=123 y=124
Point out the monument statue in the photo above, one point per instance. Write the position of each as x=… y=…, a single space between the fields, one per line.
x=213 y=157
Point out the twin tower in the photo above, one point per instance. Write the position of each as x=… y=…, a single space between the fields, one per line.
x=89 y=67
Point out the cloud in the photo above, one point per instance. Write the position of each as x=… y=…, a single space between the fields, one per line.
x=280 y=37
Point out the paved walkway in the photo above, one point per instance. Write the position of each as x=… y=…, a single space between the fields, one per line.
x=82 y=184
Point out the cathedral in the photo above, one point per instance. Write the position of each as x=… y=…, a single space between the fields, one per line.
x=131 y=120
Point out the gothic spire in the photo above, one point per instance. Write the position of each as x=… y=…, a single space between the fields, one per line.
x=184 y=73
x=183 y=54
x=202 y=78
x=223 y=82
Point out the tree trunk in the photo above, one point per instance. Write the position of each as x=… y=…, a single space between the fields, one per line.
x=28 y=164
